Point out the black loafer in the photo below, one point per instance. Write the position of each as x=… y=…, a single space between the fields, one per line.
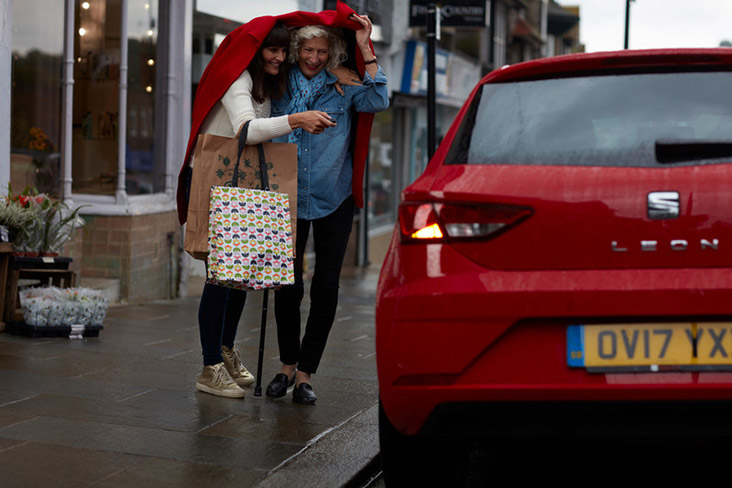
x=277 y=388
x=303 y=393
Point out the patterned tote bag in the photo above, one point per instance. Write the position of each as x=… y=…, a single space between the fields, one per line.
x=250 y=235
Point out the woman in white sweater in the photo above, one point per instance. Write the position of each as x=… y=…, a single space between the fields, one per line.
x=247 y=99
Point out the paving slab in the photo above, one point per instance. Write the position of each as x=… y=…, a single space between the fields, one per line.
x=121 y=409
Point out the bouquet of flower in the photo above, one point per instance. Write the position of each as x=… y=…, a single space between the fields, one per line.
x=39 y=141
x=51 y=306
x=15 y=219
x=48 y=223
x=37 y=306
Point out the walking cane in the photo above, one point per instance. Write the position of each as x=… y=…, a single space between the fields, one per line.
x=258 y=387
x=265 y=295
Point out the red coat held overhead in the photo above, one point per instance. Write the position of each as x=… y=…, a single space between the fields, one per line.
x=234 y=55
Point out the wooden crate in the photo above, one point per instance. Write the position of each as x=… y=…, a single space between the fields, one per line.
x=44 y=271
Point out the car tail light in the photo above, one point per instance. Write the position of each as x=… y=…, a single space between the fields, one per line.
x=437 y=222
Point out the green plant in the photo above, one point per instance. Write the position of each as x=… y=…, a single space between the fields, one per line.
x=14 y=217
x=59 y=223
x=47 y=222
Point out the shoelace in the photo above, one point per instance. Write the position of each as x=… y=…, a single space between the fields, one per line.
x=221 y=377
x=235 y=358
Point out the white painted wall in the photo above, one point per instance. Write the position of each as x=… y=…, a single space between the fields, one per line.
x=6 y=26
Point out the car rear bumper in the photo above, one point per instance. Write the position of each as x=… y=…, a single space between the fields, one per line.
x=480 y=336
x=512 y=408
x=583 y=421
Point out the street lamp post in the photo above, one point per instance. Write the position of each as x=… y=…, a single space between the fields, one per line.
x=433 y=34
x=627 y=21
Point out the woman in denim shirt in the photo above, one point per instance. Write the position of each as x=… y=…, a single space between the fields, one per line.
x=324 y=200
x=247 y=99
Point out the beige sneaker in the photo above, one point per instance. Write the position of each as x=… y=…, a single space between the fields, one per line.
x=232 y=360
x=217 y=381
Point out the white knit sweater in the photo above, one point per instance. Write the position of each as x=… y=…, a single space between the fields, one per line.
x=236 y=107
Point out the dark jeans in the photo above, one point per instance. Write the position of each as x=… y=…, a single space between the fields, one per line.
x=218 y=318
x=330 y=236
x=219 y=310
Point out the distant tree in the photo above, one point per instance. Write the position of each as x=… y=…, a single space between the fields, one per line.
x=725 y=43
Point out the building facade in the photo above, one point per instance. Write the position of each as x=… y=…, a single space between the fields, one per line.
x=109 y=84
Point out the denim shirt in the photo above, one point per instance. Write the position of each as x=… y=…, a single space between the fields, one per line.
x=325 y=166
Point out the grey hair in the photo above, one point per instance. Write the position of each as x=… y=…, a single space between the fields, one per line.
x=337 y=46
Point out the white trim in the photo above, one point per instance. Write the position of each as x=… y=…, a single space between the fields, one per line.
x=67 y=104
x=121 y=194
x=186 y=87
x=108 y=205
x=178 y=88
x=172 y=91
x=6 y=67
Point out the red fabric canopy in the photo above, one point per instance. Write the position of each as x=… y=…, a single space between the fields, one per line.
x=233 y=56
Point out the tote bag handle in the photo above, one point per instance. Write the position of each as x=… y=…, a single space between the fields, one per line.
x=262 y=163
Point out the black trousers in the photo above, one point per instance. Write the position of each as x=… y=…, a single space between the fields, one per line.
x=330 y=239
x=218 y=320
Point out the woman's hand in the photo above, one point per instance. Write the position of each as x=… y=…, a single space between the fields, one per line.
x=364 y=33
x=313 y=121
x=345 y=77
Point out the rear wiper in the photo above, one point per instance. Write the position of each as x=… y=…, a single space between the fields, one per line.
x=677 y=151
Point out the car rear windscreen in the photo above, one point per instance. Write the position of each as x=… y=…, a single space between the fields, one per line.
x=649 y=119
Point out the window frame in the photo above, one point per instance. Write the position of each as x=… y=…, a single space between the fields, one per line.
x=171 y=103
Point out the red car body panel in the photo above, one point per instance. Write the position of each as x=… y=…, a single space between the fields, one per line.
x=608 y=204
x=487 y=321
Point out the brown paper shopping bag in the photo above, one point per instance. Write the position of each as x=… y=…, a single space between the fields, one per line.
x=213 y=165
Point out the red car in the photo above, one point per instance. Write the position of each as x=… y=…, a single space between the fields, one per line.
x=566 y=254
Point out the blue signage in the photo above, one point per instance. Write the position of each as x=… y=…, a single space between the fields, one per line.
x=414 y=77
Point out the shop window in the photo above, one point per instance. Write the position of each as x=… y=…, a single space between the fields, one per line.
x=143 y=169
x=417 y=161
x=96 y=96
x=37 y=43
x=208 y=32
x=96 y=113
x=381 y=178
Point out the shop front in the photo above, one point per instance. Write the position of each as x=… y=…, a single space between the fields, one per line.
x=399 y=144
x=99 y=95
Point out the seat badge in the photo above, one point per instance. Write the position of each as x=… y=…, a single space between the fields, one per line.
x=664 y=205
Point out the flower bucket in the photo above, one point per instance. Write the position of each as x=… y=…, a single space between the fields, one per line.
x=55 y=307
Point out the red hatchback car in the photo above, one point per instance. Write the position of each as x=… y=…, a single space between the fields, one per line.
x=565 y=257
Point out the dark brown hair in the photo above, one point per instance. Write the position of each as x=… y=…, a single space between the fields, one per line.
x=264 y=84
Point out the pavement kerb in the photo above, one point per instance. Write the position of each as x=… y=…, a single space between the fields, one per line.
x=337 y=457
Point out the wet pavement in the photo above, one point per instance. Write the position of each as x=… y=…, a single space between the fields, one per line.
x=121 y=409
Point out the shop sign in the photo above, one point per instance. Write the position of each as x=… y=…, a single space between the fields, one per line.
x=454 y=13
x=455 y=77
